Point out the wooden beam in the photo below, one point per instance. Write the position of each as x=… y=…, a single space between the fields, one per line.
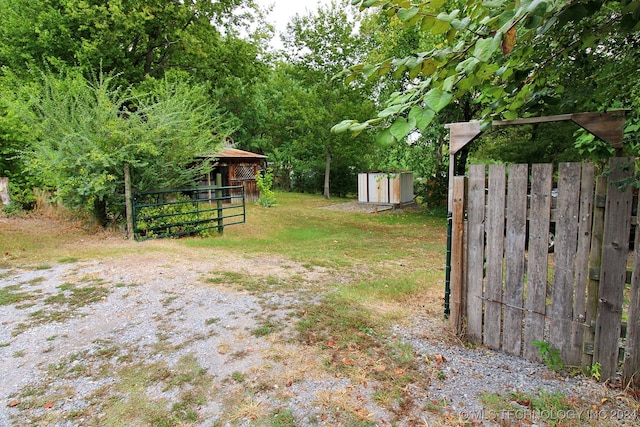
x=607 y=126
x=460 y=134
x=532 y=120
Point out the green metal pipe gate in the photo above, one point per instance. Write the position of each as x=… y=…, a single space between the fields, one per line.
x=182 y=212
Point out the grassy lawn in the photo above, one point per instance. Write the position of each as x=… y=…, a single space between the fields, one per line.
x=299 y=228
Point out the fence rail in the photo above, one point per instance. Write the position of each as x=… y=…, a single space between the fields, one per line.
x=189 y=211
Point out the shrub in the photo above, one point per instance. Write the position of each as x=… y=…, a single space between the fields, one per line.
x=265 y=184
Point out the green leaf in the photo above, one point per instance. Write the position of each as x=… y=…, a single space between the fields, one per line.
x=447 y=86
x=401 y=128
x=468 y=65
x=461 y=24
x=492 y=3
x=510 y=115
x=449 y=17
x=436 y=99
x=357 y=128
x=385 y=139
x=485 y=48
x=391 y=110
x=422 y=116
x=343 y=126
x=406 y=14
x=438 y=26
x=368 y=70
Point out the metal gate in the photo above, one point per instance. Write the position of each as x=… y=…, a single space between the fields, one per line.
x=180 y=212
x=509 y=293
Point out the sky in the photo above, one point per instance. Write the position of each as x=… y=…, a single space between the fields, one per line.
x=284 y=10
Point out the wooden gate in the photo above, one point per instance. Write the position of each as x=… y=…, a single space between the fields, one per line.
x=508 y=292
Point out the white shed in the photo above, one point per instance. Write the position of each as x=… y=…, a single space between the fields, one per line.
x=385 y=187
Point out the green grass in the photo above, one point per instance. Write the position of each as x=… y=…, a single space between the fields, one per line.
x=12 y=295
x=299 y=231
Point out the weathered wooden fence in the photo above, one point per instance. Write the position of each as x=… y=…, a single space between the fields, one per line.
x=509 y=293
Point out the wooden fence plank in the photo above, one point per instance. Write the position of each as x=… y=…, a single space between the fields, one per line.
x=564 y=258
x=457 y=255
x=612 y=278
x=631 y=365
x=475 y=245
x=582 y=263
x=595 y=262
x=538 y=262
x=514 y=255
x=495 y=251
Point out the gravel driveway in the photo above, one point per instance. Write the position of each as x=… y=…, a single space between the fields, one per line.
x=94 y=343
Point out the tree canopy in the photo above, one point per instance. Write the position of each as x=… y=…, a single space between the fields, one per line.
x=512 y=58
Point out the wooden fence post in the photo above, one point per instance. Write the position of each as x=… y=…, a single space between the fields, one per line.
x=457 y=255
x=4 y=190
x=128 y=201
x=612 y=279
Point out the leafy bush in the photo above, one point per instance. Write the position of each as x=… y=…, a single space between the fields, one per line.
x=265 y=185
x=177 y=217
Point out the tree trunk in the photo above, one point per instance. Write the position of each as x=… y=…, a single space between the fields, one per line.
x=4 y=191
x=327 y=170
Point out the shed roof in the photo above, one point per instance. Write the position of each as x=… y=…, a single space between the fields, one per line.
x=234 y=153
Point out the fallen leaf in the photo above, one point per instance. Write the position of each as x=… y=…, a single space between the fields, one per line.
x=347 y=361
x=399 y=371
x=331 y=344
x=48 y=405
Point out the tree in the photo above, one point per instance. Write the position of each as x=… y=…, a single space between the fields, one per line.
x=510 y=58
x=133 y=38
x=318 y=46
x=86 y=131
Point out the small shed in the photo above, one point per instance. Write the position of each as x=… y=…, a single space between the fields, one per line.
x=395 y=188
x=237 y=167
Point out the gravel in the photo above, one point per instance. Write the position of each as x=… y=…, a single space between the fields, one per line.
x=160 y=310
